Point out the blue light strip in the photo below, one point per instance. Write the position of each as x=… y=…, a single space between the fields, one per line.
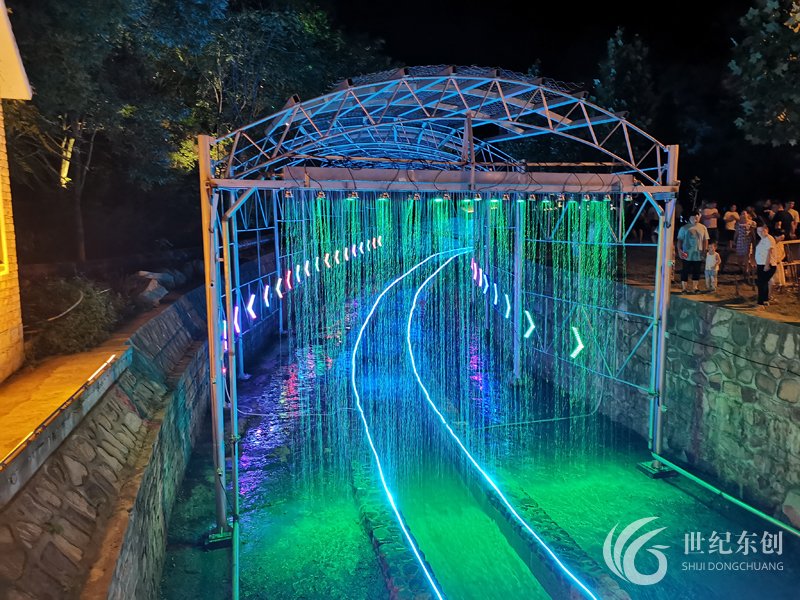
x=406 y=533
x=587 y=592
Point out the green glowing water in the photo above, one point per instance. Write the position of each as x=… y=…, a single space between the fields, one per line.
x=300 y=525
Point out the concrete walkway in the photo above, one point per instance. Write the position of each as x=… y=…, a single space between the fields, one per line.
x=29 y=396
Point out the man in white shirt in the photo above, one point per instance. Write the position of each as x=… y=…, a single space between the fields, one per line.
x=709 y=218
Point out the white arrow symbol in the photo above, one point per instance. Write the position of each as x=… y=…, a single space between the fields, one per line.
x=278 y=288
x=508 y=306
x=579 y=347
x=326 y=260
x=495 y=293
x=250 y=310
x=307 y=270
x=531 y=326
x=485 y=284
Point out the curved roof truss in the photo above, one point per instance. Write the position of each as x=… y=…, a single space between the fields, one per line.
x=436 y=118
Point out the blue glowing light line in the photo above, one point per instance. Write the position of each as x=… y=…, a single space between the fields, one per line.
x=475 y=464
x=508 y=306
x=366 y=427
x=485 y=284
x=249 y=307
x=531 y=326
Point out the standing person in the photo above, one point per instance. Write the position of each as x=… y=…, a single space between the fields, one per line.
x=795 y=217
x=730 y=218
x=765 y=263
x=781 y=223
x=743 y=247
x=713 y=261
x=709 y=218
x=692 y=243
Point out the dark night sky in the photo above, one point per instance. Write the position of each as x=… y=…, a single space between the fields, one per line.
x=690 y=42
x=569 y=38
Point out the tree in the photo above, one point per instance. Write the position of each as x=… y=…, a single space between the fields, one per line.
x=625 y=80
x=765 y=71
x=258 y=59
x=98 y=73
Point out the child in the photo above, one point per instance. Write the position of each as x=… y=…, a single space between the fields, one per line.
x=713 y=261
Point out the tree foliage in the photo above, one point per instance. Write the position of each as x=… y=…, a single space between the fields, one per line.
x=765 y=71
x=625 y=80
x=258 y=59
x=124 y=86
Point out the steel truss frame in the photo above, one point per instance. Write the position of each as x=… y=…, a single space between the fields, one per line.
x=412 y=131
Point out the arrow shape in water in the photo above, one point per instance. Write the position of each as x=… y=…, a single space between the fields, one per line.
x=579 y=347
x=531 y=326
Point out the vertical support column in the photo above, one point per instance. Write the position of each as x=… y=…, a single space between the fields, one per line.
x=227 y=256
x=666 y=241
x=208 y=209
x=519 y=241
x=276 y=231
x=663 y=283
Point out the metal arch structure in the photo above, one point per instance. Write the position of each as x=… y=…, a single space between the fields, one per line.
x=451 y=117
x=415 y=130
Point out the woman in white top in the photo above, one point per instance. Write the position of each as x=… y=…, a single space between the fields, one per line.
x=766 y=259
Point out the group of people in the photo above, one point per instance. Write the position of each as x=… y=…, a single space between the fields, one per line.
x=751 y=235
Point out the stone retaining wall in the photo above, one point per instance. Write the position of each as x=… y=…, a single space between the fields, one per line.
x=99 y=505
x=733 y=402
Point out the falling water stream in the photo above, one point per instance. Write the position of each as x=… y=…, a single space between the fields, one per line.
x=400 y=314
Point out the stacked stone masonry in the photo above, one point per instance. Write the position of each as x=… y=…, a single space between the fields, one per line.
x=98 y=508
x=732 y=398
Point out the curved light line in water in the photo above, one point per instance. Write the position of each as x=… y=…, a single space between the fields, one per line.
x=385 y=486
x=486 y=477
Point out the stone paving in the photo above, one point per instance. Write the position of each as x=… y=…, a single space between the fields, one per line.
x=29 y=396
